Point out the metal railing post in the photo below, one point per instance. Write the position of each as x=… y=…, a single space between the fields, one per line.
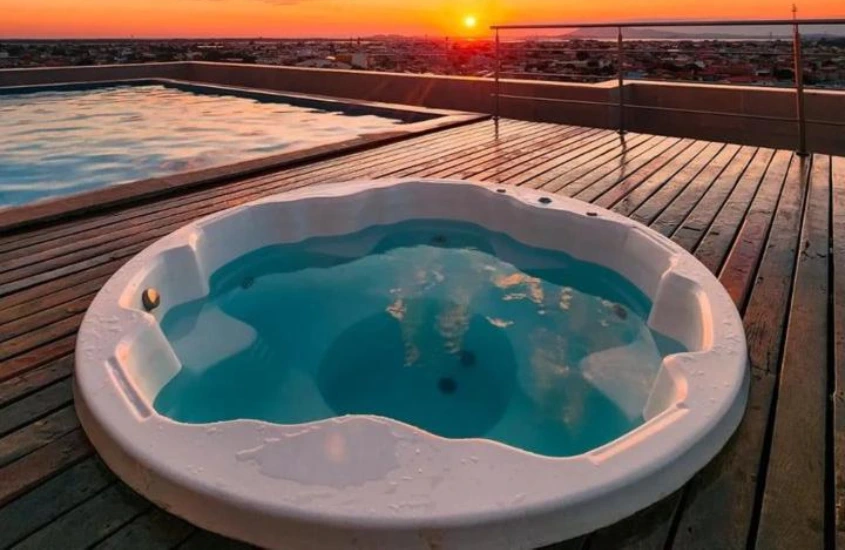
x=799 y=89
x=620 y=73
x=496 y=85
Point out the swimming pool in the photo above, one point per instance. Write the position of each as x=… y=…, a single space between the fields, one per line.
x=62 y=140
x=484 y=367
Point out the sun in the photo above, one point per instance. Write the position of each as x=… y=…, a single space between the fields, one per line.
x=470 y=21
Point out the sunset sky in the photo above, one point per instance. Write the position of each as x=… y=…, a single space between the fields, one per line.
x=344 y=18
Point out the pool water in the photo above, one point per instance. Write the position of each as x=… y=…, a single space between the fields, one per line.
x=61 y=142
x=447 y=326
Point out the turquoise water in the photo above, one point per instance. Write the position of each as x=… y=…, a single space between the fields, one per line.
x=443 y=325
x=62 y=142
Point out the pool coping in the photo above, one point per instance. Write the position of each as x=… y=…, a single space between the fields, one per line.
x=102 y=199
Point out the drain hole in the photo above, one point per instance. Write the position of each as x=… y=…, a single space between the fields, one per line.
x=620 y=311
x=544 y=200
x=467 y=358
x=500 y=191
x=247 y=282
x=447 y=385
x=439 y=239
x=592 y=214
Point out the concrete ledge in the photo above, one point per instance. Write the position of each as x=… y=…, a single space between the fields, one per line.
x=738 y=114
x=92 y=73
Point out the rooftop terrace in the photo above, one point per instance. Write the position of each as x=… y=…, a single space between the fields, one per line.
x=771 y=224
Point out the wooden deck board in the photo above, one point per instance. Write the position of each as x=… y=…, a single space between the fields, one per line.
x=838 y=317
x=793 y=513
x=674 y=164
x=52 y=499
x=152 y=530
x=715 y=243
x=742 y=211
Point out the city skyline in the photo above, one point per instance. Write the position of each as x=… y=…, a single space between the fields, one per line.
x=79 y=19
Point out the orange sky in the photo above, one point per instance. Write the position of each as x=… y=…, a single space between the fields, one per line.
x=289 y=18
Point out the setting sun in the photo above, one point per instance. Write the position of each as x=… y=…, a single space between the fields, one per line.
x=470 y=21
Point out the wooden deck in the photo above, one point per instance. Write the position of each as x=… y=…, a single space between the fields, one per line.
x=770 y=224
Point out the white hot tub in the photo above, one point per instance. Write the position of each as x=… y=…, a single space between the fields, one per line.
x=445 y=471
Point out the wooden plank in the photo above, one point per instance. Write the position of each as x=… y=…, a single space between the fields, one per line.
x=21 y=364
x=33 y=407
x=793 y=513
x=616 y=154
x=714 y=246
x=496 y=149
x=27 y=341
x=36 y=435
x=705 y=200
x=72 y=267
x=154 y=530
x=27 y=384
x=774 y=278
x=460 y=147
x=592 y=185
x=728 y=186
x=581 y=152
x=638 y=188
x=33 y=469
x=646 y=530
x=838 y=265
x=54 y=497
x=719 y=508
x=499 y=156
x=18 y=325
x=412 y=160
x=566 y=182
x=22 y=297
x=747 y=249
x=90 y=522
x=568 y=151
x=648 y=210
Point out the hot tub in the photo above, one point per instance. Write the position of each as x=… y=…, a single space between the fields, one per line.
x=410 y=364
